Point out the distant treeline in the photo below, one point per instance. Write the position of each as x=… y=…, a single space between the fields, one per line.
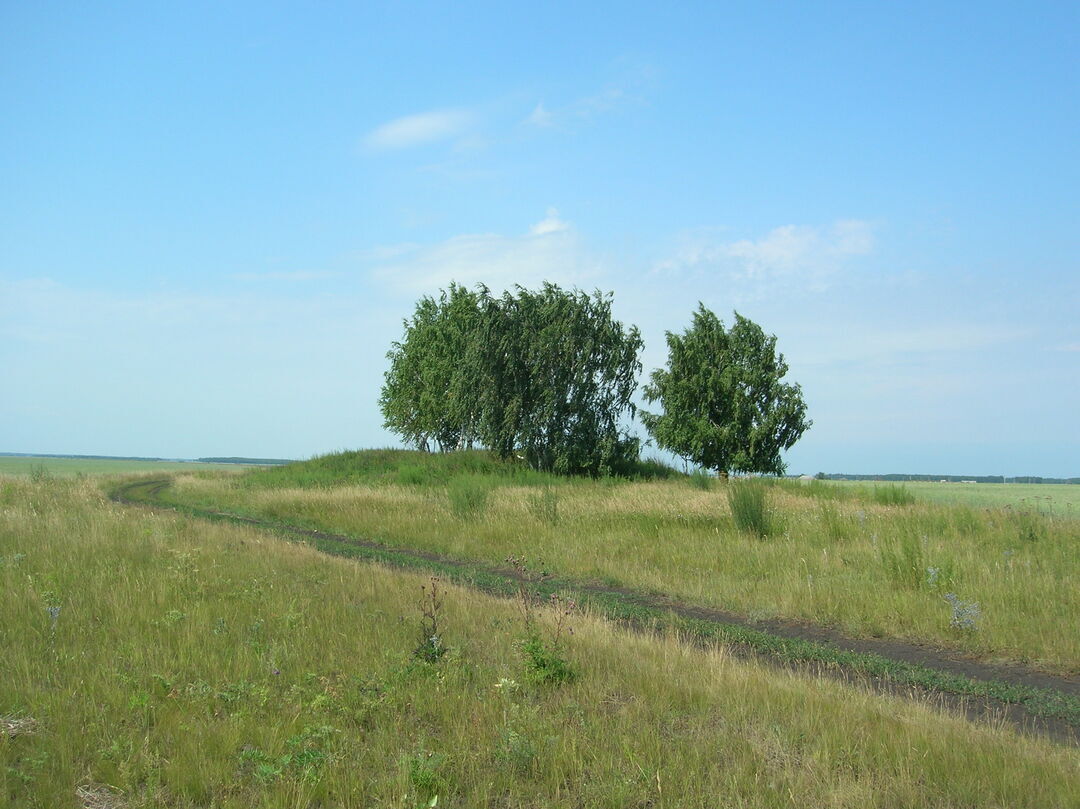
x=249 y=461
x=948 y=478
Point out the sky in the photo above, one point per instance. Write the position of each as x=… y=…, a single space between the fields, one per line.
x=214 y=217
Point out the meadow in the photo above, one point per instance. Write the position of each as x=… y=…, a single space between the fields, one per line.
x=997 y=584
x=1052 y=499
x=29 y=465
x=153 y=659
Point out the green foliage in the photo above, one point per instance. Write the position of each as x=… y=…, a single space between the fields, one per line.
x=545 y=376
x=749 y=507
x=724 y=406
x=544 y=663
x=424 y=775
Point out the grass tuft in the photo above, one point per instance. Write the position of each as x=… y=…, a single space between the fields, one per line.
x=749 y=507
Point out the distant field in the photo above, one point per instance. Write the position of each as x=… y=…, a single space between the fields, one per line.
x=69 y=467
x=1058 y=499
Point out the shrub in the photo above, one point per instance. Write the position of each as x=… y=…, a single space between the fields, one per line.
x=544 y=665
x=748 y=507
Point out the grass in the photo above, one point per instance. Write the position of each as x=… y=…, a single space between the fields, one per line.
x=850 y=562
x=71 y=467
x=206 y=664
x=1057 y=499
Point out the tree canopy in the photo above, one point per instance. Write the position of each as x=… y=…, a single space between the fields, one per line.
x=724 y=406
x=547 y=375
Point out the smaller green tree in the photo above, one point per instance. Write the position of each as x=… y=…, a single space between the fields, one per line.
x=724 y=406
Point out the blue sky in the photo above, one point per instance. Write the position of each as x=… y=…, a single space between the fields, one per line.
x=214 y=217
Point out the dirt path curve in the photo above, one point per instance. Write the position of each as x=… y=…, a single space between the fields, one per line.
x=147 y=493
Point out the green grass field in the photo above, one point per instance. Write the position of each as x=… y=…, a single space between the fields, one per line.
x=154 y=660
x=1057 y=499
x=69 y=467
x=831 y=556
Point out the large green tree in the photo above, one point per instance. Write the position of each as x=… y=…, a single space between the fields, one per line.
x=430 y=394
x=545 y=375
x=724 y=405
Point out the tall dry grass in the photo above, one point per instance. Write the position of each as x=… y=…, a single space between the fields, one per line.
x=153 y=660
x=870 y=569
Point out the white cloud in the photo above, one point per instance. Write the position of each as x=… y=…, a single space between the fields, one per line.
x=540 y=116
x=549 y=224
x=550 y=251
x=1071 y=347
x=788 y=252
x=414 y=130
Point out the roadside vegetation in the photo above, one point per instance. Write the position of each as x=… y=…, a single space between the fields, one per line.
x=156 y=660
x=873 y=562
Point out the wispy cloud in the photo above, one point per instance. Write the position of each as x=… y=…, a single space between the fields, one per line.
x=300 y=275
x=633 y=86
x=540 y=116
x=415 y=130
x=790 y=252
x=551 y=250
x=549 y=224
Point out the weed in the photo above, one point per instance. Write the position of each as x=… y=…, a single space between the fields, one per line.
x=544 y=665
x=424 y=777
x=749 y=508
x=965 y=614
x=543 y=658
x=431 y=647
x=941 y=576
x=516 y=751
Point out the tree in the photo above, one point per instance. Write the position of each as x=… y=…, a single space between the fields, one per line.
x=546 y=375
x=430 y=392
x=724 y=406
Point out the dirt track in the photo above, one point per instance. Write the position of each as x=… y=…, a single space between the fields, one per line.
x=148 y=493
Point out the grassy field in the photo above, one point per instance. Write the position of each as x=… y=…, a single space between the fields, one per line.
x=998 y=584
x=70 y=467
x=155 y=660
x=1056 y=499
